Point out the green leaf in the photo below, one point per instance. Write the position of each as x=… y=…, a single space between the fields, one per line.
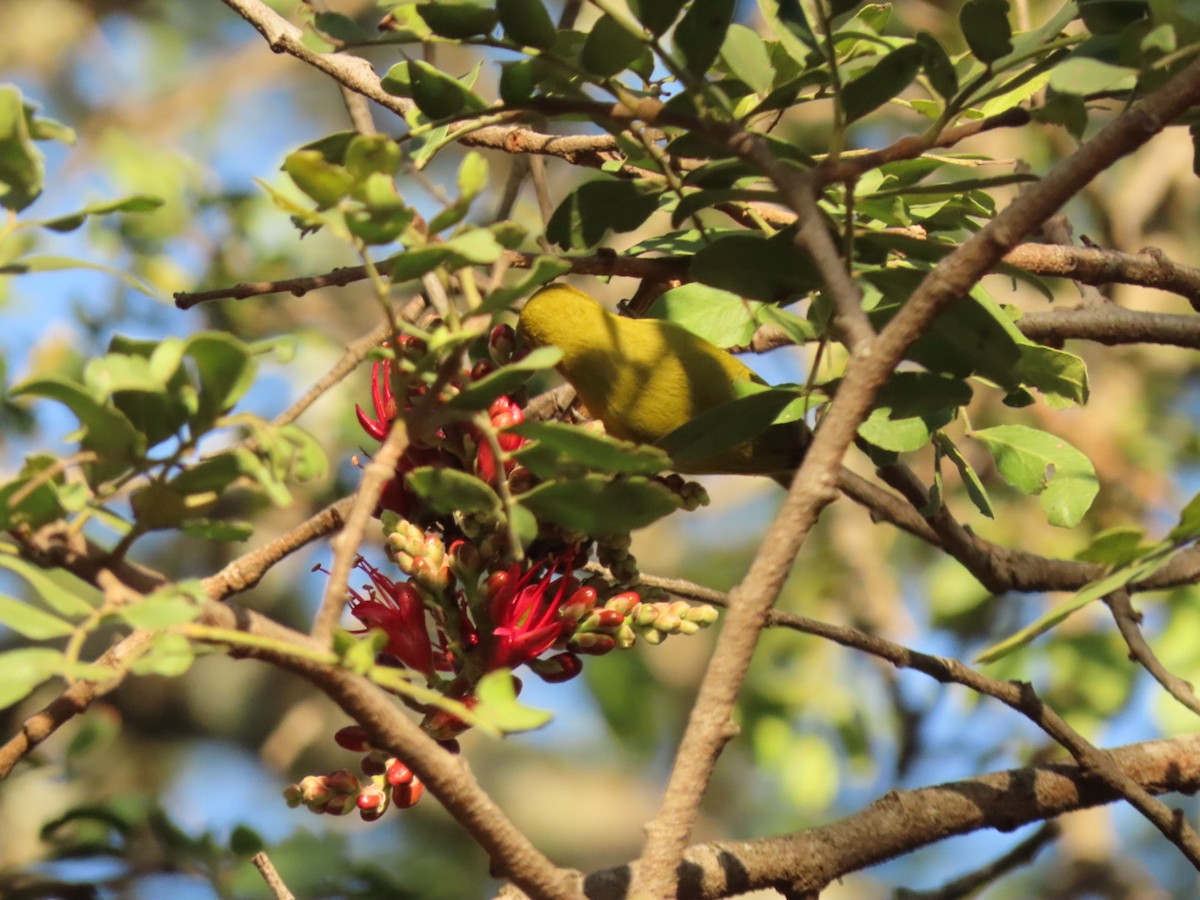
x=986 y=28
x=726 y=426
x=596 y=207
x=70 y=603
x=656 y=15
x=226 y=371
x=700 y=33
x=1060 y=376
x=323 y=181
x=475 y=248
x=527 y=23
x=21 y=163
x=746 y=55
x=458 y=19
x=1035 y=462
x=882 y=82
x=751 y=266
x=480 y=394
x=543 y=270
x=41 y=263
x=135 y=204
x=600 y=505
x=371 y=154
x=938 y=68
x=1083 y=75
x=975 y=489
x=1188 y=528
x=102 y=428
x=438 y=95
x=166 y=607
x=910 y=408
x=31 y=622
x=722 y=317
x=1115 y=547
x=449 y=490
x=23 y=670
x=245 y=841
x=561 y=449
x=169 y=655
x=1094 y=591
x=499 y=708
x=610 y=48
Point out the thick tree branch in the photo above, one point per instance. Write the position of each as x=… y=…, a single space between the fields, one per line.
x=904 y=821
x=868 y=369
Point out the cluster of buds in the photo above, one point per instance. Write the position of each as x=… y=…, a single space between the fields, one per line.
x=388 y=783
x=691 y=493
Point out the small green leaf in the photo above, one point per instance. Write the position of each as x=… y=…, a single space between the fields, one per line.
x=21 y=163
x=372 y=154
x=746 y=55
x=1035 y=462
x=480 y=394
x=23 y=670
x=163 y=609
x=610 y=48
x=526 y=23
x=136 y=204
x=66 y=602
x=449 y=490
x=726 y=426
x=1147 y=566
x=1188 y=528
x=700 y=33
x=722 y=317
x=560 y=449
x=41 y=263
x=596 y=207
x=458 y=19
x=938 y=68
x=323 y=181
x=599 y=505
x=975 y=489
x=499 y=708
x=103 y=429
x=1115 y=547
x=986 y=28
x=438 y=95
x=656 y=15
x=751 y=266
x=882 y=82
x=226 y=371
x=31 y=622
x=169 y=655
x=217 y=531
x=1083 y=75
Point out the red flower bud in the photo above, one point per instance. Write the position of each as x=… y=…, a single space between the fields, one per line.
x=501 y=343
x=482 y=368
x=558 y=668
x=405 y=796
x=398 y=773
x=353 y=738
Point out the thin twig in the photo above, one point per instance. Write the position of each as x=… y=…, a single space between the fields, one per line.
x=1020 y=855
x=1128 y=620
x=266 y=868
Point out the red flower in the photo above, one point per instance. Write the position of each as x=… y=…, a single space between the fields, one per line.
x=397 y=609
x=525 y=611
x=382 y=399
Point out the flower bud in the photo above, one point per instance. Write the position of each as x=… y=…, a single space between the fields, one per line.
x=342 y=781
x=353 y=738
x=592 y=643
x=405 y=796
x=501 y=342
x=579 y=604
x=558 y=668
x=624 y=603
x=702 y=615
x=398 y=773
x=646 y=615
x=374 y=763
x=482 y=369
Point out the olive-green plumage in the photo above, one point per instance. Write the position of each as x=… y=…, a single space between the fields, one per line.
x=643 y=378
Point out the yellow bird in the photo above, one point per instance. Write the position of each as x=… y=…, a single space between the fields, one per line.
x=643 y=378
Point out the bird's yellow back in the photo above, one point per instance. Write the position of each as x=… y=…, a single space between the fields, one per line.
x=643 y=378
